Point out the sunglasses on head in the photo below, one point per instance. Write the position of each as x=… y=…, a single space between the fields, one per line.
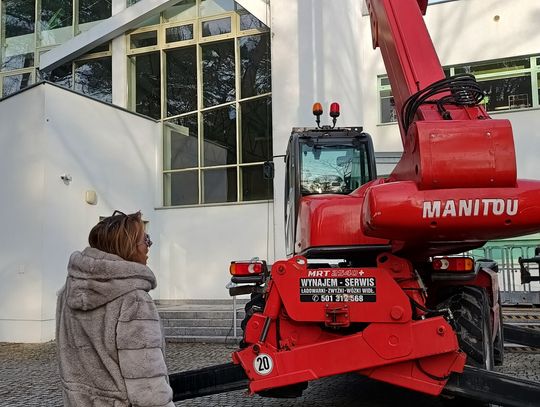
x=147 y=241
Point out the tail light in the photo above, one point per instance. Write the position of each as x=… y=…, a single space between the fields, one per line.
x=247 y=268
x=457 y=264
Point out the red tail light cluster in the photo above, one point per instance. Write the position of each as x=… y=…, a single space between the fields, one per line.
x=246 y=268
x=458 y=264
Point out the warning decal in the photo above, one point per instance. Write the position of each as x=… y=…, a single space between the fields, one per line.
x=361 y=289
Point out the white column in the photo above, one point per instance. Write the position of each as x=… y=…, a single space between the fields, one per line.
x=119 y=62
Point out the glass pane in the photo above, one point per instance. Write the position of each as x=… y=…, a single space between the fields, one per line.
x=100 y=48
x=216 y=27
x=538 y=82
x=255 y=60
x=181 y=188
x=219 y=134
x=218 y=73
x=495 y=67
x=386 y=93
x=181 y=80
x=92 y=10
x=181 y=143
x=147 y=75
x=18 y=17
x=388 y=110
x=333 y=169
x=62 y=76
x=181 y=11
x=219 y=185
x=180 y=33
x=254 y=186
x=385 y=81
x=213 y=7
x=249 y=22
x=17 y=62
x=14 y=83
x=144 y=39
x=94 y=78
x=256 y=130
x=17 y=27
x=507 y=93
x=56 y=19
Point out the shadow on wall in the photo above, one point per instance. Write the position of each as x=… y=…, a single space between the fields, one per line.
x=446 y=25
x=475 y=20
x=329 y=55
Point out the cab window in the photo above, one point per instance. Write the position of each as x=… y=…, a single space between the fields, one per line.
x=333 y=169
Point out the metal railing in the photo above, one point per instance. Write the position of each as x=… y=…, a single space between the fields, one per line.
x=512 y=289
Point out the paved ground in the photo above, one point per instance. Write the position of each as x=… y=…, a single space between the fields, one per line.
x=28 y=377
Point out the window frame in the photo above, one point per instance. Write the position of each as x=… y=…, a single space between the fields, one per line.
x=39 y=49
x=16 y=72
x=198 y=41
x=182 y=43
x=533 y=72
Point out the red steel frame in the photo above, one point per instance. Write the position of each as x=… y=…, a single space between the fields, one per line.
x=394 y=348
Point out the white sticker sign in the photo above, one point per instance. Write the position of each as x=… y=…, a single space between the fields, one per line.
x=263 y=364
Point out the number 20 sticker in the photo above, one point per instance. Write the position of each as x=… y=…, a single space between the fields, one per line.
x=263 y=364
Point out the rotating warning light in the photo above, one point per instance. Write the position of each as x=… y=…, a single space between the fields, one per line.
x=317 y=109
x=334 y=110
x=458 y=264
x=246 y=268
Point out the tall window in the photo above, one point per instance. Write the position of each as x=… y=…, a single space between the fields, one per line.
x=205 y=73
x=28 y=28
x=509 y=84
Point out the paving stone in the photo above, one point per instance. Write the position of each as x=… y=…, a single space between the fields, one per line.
x=29 y=377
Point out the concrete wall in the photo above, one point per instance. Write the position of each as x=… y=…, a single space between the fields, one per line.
x=198 y=244
x=50 y=131
x=22 y=187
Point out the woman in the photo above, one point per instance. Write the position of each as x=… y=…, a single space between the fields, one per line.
x=108 y=332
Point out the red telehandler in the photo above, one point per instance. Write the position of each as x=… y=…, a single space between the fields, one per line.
x=370 y=285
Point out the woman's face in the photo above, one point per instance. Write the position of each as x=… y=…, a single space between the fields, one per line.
x=141 y=252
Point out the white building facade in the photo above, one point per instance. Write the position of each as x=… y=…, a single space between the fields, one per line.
x=184 y=101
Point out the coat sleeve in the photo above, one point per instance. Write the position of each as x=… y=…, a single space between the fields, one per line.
x=140 y=352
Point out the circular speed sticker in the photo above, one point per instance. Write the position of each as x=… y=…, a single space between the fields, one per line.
x=263 y=364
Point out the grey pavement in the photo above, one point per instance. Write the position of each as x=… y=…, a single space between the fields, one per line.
x=29 y=377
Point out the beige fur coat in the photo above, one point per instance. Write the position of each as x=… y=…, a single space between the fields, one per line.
x=108 y=334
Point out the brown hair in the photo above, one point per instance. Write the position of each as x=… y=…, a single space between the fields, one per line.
x=118 y=234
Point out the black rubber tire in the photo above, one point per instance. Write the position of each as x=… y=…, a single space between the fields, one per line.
x=472 y=322
x=498 y=345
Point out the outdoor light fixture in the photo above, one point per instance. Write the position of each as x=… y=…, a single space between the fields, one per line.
x=91 y=197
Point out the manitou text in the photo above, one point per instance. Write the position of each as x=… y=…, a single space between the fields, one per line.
x=469 y=207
